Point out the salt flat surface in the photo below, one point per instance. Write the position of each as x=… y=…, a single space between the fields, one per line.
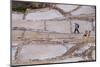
x=50 y=14
x=66 y=8
x=58 y=26
x=41 y=51
x=84 y=10
x=68 y=46
x=17 y=16
x=29 y=24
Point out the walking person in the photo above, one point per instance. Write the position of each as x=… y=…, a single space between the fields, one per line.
x=76 y=28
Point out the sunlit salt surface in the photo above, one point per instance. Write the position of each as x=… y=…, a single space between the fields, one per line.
x=41 y=51
x=84 y=10
x=66 y=8
x=50 y=14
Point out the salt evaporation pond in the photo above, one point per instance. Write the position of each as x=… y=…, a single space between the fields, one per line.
x=41 y=51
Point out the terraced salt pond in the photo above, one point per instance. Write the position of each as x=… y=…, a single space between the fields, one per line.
x=46 y=52
x=41 y=51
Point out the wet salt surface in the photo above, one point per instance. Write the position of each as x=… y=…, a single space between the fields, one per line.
x=41 y=52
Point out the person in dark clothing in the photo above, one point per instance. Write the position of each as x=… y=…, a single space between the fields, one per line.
x=76 y=28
